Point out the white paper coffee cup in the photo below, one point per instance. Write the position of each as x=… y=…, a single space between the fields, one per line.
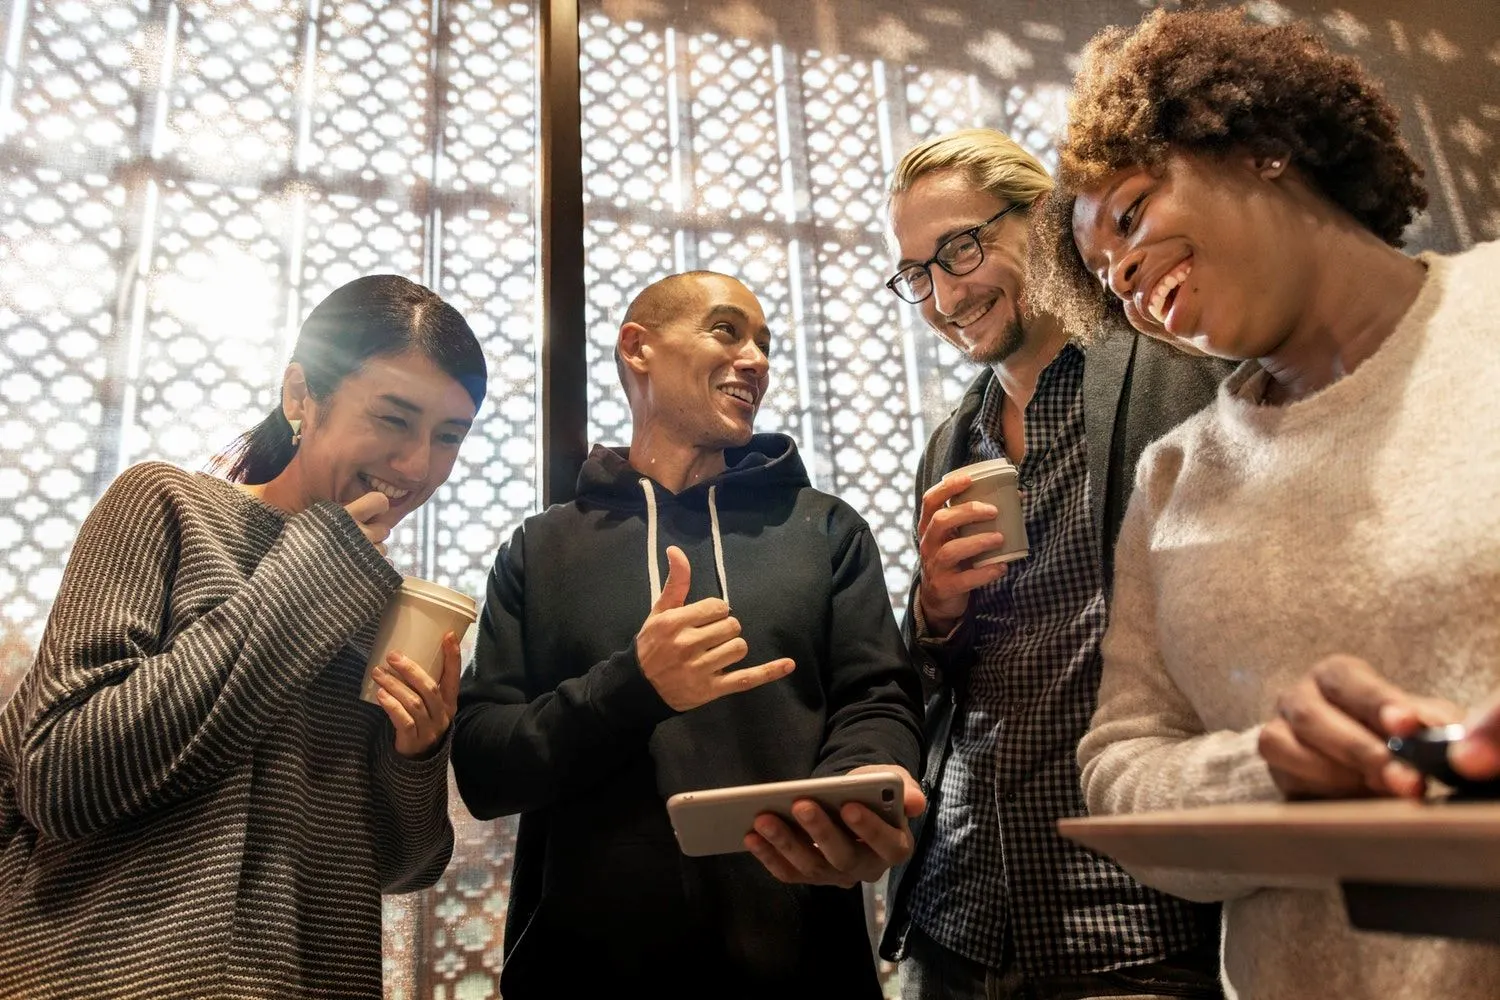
x=994 y=482
x=414 y=623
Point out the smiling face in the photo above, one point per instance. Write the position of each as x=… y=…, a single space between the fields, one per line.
x=1201 y=252
x=706 y=366
x=393 y=426
x=979 y=313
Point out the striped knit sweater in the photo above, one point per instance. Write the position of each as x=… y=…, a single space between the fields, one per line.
x=194 y=802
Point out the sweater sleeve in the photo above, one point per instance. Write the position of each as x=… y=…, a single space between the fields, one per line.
x=873 y=691
x=414 y=837
x=126 y=715
x=1147 y=749
x=518 y=748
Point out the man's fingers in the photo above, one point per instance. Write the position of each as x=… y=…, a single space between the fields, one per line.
x=715 y=633
x=723 y=656
x=972 y=579
x=452 y=667
x=955 y=552
x=695 y=615
x=749 y=678
x=913 y=801
x=938 y=495
x=679 y=580
x=953 y=555
x=799 y=849
x=892 y=844
x=944 y=525
x=771 y=859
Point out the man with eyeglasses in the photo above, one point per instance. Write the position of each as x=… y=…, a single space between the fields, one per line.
x=993 y=903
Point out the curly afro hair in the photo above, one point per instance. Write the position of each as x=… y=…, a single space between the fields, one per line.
x=1212 y=83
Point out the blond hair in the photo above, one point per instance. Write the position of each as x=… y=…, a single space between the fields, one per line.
x=988 y=158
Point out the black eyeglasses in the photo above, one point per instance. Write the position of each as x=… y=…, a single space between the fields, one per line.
x=959 y=254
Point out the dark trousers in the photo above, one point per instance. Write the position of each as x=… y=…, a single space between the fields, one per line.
x=933 y=972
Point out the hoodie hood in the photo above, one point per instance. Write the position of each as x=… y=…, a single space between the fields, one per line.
x=769 y=462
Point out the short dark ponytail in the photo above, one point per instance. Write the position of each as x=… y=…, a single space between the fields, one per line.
x=374 y=316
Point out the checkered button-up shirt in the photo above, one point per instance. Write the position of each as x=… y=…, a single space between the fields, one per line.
x=995 y=870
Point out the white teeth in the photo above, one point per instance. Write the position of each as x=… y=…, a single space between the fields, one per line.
x=738 y=392
x=973 y=315
x=394 y=493
x=1169 y=281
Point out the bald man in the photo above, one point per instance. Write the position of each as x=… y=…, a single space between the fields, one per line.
x=610 y=673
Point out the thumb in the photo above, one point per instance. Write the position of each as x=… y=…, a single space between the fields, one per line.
x=913 y=799
x=368 y=507
x=679 y=580
x=452 y=667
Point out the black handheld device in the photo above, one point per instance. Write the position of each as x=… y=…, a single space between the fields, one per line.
x=1427 y=751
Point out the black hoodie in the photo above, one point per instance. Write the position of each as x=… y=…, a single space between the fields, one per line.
x=556 y=722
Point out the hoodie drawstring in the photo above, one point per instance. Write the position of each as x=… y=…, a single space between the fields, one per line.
x=651 y=565
x=713 y=524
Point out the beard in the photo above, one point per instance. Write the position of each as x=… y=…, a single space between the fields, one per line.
x=1009 y=342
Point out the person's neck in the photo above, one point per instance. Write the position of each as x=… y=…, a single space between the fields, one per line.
x=673 y=464
x=286 y=492
x=1362 y=289
x=1019 y=371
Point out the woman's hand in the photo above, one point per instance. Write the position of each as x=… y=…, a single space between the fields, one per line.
x=1328 y=739
x=1477 y=755
x=366 y=512
x=420 y=707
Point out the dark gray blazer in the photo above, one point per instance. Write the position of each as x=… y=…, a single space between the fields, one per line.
x=1135 y=389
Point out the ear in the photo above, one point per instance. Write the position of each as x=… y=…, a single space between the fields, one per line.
x=295 y=398
x=635 y=352
x=1270 y=166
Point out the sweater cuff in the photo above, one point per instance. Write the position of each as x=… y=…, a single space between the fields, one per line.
x=411 y=778
x=347 y=548
x=622 y=696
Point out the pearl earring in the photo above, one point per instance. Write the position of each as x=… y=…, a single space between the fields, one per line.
x=1275 y=164
x=296 y=432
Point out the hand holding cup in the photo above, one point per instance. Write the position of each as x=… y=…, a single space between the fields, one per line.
x=950 y=537
x=420 y=706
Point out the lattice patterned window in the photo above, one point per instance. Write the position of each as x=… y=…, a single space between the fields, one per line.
x=770 y=163
x=182 y=179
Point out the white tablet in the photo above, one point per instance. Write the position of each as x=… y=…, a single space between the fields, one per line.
x=715 y=820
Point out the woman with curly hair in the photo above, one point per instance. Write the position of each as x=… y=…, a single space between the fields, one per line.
x=1323 y=538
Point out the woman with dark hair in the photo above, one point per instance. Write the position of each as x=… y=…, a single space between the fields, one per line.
x=1324 y=537
x=194 y=801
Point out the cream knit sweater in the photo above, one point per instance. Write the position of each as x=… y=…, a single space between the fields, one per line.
x=1364 y=519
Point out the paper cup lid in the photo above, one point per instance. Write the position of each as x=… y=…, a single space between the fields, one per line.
x=987 y=468
x=438 y=594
